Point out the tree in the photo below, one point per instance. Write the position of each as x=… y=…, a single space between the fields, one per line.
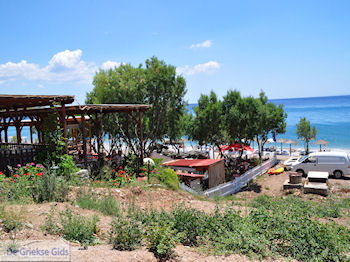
x=305 y=132
x=155 y=84
x=241 y=118
x=206 y=125
x=165 y=91
x=272 y=121
x=236 y=119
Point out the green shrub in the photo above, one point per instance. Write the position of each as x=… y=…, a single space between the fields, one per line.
x=298 y=207
x=50 y=188
x=301 y=237
x=237 y=234
x=17 y=191
x=328 y=209
x=66 y=166
x=158 y=161
x=51 y=224
x=126 y=233
x=190 y=223
x=161 y=238
x=168 y=177
x=12 y=219
x=78 y=228
x=107 y=205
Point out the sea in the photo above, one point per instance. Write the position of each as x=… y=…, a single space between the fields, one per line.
x=330 y=115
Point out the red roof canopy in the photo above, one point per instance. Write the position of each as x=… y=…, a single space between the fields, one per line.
x=192 y=162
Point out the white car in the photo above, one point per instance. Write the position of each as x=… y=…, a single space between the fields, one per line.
x=335 y=163
x=290 y=161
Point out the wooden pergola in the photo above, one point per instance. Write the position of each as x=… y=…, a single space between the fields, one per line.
x=27 y=110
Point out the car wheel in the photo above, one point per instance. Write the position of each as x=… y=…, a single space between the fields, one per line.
x=338 y=174
x=301 y=172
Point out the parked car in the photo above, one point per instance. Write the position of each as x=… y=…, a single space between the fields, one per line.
x=335 y=163
x=290 y=161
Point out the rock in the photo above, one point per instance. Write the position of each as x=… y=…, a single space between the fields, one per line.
x=29 y=225
x=83 y=174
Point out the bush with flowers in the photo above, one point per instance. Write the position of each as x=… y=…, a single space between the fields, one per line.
x=32 y=182
x=18 y=185
x=28 y=170
x=116 y=178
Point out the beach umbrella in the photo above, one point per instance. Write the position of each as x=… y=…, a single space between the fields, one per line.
x=321 y=142
x=290 y=142
x=282 y=141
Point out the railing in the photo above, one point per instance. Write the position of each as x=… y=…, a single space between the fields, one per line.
x=190 y=190
x=234 y=186
x=13 y=154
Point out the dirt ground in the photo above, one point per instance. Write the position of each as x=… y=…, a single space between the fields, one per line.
x=104 y=253
x=272 y=185
x=157 y=198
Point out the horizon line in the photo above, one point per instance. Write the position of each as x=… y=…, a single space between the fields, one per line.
x=308 y=97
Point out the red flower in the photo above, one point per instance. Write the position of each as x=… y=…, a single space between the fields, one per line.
x=39 y=174
x=26 y=174
x=120 y=167
x=1 y=173
x=16 y=176
x=115 y=184
x=120 y=175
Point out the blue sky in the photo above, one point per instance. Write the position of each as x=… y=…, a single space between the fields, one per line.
x=287 y=48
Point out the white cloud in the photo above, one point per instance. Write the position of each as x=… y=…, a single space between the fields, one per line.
x=200 y=68
x=11 y=70
x=110 y=65
x=65 y=66
x=66 y=59
x=206 y=43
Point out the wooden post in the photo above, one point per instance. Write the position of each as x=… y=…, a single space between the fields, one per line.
x=83 y=133
x=290 y=149
x=31 y=134
x=99 y=134
x=64 y=122
x=18 y=133
x=6 y=135
x=141 y=134
x=90 y=134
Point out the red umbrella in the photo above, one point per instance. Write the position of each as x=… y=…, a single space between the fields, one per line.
x=236 y=147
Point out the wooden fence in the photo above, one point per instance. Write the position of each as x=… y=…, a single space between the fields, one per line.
x=13 y=154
